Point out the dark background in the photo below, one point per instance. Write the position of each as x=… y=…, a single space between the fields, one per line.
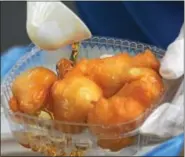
x=13 y=23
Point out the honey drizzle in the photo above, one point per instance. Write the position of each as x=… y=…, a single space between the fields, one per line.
x=75 y=52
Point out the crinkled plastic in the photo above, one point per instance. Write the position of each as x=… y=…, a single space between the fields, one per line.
x=51 y=25
x=172 y=147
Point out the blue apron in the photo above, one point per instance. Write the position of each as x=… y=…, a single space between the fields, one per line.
x=156 y=23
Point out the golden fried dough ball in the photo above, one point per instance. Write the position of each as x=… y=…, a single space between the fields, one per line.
x=111 y=114
x=146 y=59
x=115 y=118
x=73 y=98
x=31 y=90
x=124 y=111
x=111 y=73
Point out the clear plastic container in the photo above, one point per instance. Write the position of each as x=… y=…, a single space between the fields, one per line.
x=55 y=138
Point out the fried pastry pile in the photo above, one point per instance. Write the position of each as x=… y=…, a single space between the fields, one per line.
x=104 y=92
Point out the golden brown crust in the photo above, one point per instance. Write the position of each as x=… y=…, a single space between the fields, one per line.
x=73 y=97
x=112 y=93
x=124 y=111
x=112 y=73
x=31 y=89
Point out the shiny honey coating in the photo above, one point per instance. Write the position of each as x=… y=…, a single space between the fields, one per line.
x=111 y=73
x=72 y=100
x=106 y=92
x=75 y=52
x=31 y=90
x=63 y=66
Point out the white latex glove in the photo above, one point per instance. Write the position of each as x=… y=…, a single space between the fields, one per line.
x=168 y=119
x=52 y=25
x=172 y=64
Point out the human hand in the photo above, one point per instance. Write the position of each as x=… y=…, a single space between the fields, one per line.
x=168 y=119
x=172 y=64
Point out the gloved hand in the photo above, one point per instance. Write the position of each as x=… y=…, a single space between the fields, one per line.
x=162 y=122
x=10 y=57
x=168 y=119
x=172 y=65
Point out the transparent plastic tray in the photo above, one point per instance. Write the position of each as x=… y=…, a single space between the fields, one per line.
x=55 y=138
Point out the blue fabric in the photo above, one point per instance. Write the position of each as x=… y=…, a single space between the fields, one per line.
x=156 y=23
x=172 y=147
x=10 y=57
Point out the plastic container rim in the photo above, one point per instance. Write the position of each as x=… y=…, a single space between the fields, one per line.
x=34 y=50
